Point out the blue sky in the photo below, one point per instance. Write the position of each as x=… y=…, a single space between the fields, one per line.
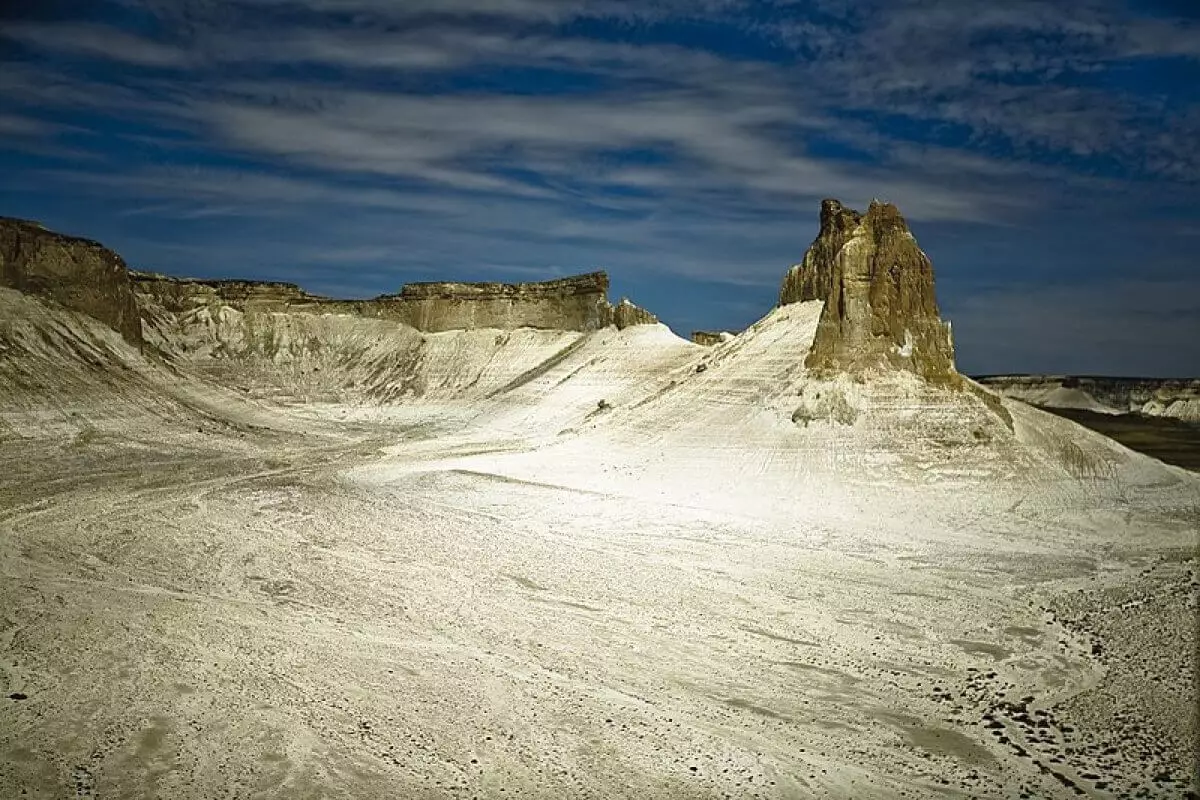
x=1044 y=153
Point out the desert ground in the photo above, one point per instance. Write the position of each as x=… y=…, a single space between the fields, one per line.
x=1170 y=440
x=258 y=579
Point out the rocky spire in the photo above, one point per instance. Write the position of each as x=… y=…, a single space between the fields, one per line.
x=880 y=309
x=810 y=279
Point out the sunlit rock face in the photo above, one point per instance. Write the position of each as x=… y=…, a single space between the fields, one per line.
x=185 y=294
x=78 y=274
x=711 y=338
x=625 y=315
x=877 y=284
x=577 y=303
x=811 y=279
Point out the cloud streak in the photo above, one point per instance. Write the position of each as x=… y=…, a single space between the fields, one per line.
x=660 y=140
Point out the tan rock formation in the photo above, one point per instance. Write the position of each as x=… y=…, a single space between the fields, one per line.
x=78 y=274
x=578 y=303
x=811 y=279
x=625 y=315
x=711 y=338
x=184 y=294
x=880 y=308
x=86 y=277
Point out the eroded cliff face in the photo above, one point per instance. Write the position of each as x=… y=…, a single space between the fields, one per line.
x=185 y=294
x=78 y=274
x=1152 y=397
x=625 y=315
x=578 y=303
x=811 y=279
x=877 y=285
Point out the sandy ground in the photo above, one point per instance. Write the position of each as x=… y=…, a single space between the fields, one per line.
x=253 y=618
x=689 y=591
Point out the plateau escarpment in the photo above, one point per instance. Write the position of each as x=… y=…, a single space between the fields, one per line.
x=880 y=307
x=1151 y=397
x=710 y=338
x=577 y=303
x=178 y=295
x=430 y=339
x=76 y=273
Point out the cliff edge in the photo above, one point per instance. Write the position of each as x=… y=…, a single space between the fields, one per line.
x=76 y=273
x=577 y=303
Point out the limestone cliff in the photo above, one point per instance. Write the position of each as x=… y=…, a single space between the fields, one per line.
x=78 y=274
x=625 y=315
x=711 y=338
x=880 y=309
x=86 y=277
x=183 y=294
x=578 y=303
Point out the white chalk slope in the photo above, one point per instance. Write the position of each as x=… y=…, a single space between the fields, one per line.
x=323 y=556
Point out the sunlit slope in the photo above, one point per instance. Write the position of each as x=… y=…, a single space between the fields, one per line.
x=639 y=408
x=63 y=374
x=306 y=357
x=744 y=424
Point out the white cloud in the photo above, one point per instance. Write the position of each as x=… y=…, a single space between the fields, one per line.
x=99 y=41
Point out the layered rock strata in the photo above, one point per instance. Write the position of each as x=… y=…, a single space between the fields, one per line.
x=578 y=303
x=811 y=279
x=711 y=338
x=877 y=285
x=1152 y=397
x=184 y=294
x=625 y=315
x=76 y=273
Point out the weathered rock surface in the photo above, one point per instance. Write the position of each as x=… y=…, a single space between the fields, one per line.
x=1152 y=397
x=78 y=274
x=880 y=309
x=711 y=338
x=84 y=276
x=811 y=279
x=184 y=294
x=578 y=303
x=625 y=315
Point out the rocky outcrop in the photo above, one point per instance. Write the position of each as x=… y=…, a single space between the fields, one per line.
x=87 y=277
x=711 y=338
x=1152 y=397
x=812 y=278
x=625 y=315
x=578 y=303
x=880 y=310
x=183 y=294
x=78 y=274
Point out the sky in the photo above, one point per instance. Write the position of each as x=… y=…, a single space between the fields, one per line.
x=1045 y=154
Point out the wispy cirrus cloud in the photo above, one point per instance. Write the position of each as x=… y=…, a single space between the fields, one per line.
x=661 y=140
